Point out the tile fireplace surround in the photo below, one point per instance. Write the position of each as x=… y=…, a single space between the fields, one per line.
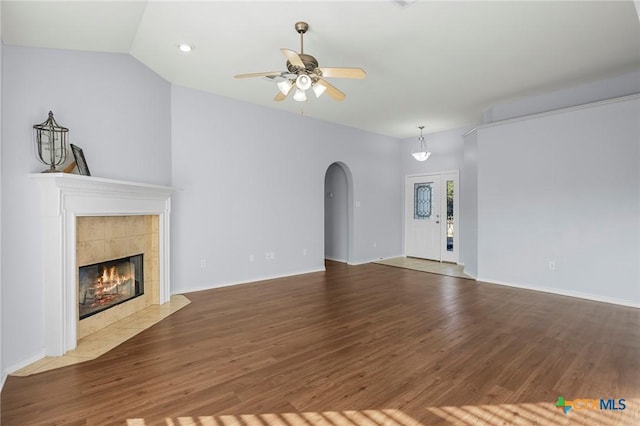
x=66 y=197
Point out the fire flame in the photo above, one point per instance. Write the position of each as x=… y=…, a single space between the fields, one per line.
x=109 y=280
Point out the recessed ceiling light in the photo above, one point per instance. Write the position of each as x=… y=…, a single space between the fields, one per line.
x=184 y=47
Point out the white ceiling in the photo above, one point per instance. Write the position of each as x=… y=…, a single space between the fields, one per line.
x=437 y=63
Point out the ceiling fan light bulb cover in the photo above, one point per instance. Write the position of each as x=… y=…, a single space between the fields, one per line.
x=303 y=82
x=285 y=87
x=318 y=89
x=300 y=96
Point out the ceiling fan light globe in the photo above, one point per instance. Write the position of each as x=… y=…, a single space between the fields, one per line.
x=303 y=82
x=285 y=87
x=300 y=96
x=318 y=89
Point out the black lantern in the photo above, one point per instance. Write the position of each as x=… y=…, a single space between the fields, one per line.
x=51 y=143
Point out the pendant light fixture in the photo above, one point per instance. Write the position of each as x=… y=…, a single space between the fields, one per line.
x=419 y=151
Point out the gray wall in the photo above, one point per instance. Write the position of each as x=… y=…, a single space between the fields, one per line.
x=563 y=187
x=336 y=214
x=117 y=110
x=253 y=183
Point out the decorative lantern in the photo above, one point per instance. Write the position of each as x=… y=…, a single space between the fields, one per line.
x=51 y=143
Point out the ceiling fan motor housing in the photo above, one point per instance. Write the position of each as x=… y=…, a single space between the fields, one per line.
x=310 y=64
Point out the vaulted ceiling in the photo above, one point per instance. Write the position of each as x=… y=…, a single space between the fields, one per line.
x=433 y=63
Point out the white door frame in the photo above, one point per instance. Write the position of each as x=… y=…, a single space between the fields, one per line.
x=445 y=256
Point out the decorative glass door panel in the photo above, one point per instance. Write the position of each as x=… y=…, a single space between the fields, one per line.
x=422 y=224
x=422 y=200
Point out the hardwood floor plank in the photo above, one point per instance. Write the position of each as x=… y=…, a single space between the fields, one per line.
x=366 y=345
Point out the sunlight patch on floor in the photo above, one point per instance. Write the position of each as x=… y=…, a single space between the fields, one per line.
x=542 y=413
x=325 y=418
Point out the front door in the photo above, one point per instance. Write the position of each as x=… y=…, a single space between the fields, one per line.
x=422 y=224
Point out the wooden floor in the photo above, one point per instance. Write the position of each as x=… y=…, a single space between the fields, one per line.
x=357 y=345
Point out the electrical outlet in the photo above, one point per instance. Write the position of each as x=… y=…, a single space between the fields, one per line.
x=267 y=256
x=552 y=265
x=203 y=263
x=251 y=258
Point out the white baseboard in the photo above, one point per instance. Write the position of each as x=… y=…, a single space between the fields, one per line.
x=249 y=281
x=464 y=271
x=561 y=292
x=333 y=259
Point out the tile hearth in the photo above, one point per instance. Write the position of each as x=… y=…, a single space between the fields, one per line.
x=102 y=341
x=424 y=265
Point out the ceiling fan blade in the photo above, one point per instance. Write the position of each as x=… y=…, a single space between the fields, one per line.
x=293 y=57
x=343 y=72
x=259 y=74
x=332 y=90
x=280 y=97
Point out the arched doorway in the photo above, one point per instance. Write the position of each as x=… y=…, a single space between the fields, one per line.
x=338 y=213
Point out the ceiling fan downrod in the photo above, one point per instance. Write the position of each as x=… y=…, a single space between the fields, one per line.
x=301 y=28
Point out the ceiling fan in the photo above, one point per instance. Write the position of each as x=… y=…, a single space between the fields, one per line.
x=303 y=73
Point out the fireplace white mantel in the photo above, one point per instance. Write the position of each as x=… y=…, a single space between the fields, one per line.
x=67 y=196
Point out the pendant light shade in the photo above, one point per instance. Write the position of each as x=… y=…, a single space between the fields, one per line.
x=419 y=151
x=421 y=155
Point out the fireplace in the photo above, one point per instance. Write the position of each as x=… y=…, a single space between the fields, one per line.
x=69 y=198
x=107 y=284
